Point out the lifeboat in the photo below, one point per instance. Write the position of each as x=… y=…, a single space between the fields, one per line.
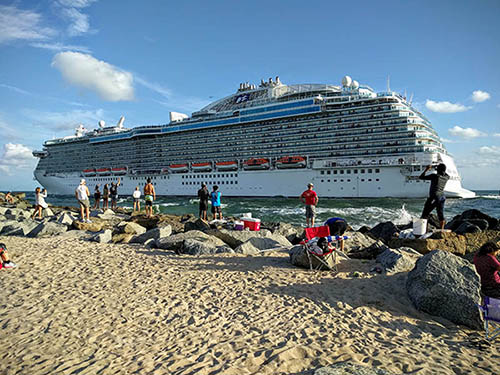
x=226 y=166
x=256 y=164
x=103 y=171
x=165 y=171
x=201 y=167
x=119 y=171
x=178 y=168
x=89 y=172
x=40 y=154
x=291 y=162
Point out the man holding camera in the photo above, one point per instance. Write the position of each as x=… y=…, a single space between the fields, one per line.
x=436 y=192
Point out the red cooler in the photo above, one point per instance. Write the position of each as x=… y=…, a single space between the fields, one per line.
x=251 y=223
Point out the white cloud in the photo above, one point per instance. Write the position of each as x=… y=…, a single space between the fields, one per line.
x=65 y=121
x=446 y=140
x=8 y=132
x=18 y=24
x=496 y=134
x=71 y=11
x=16 y=156
x=83 y=70
x=490 y=151
x=466 y=133
x=154 y=87
x=61 y=47
x=445 y=107
x=479 y=96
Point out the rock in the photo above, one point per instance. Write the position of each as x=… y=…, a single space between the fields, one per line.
x=474 y=241
x=298 y=257
x=65 y=218
x=235 y=238
x=450 y=242
x=122 y=237
x=398 y=260
x=18 y=228
x=22 y=205
x=130 y=228
x=446 y=285
x=5 y=223
x=103 y=237
x=364 y=229
x=370 y=252
x=197 y=224
x=384 y=231
x=94 y=226
x=48 y=229
x=357 y=241
x=467 y=227
x=154 y=234
x=175 y=242
x=292 y=233
x=19 y=196
x=349 y=369
x=195 y=247
x=475 y=217
x=106 y=215
x=47 y=212
x=254 y=245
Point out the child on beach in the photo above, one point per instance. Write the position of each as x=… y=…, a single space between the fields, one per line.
x=137 y=202
x=5 y=261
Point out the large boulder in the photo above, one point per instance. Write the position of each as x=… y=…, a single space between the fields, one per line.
x=130 y=228
x=102 y=237
x=384 y=231
x=370 y=252
x=48 y=229
x=346 y=368
x=292 y=233
x=197 y=224
x=175 y=241
x=155 y=234
x=399 y=260
x=65 y=218
x=299 y=258
x=196 y=247
x=94 y=226
x=450 y=242
x=473 y=217
x=122 y=237
x=106 y=215
x=18 y=228
x=255 y=245
x=235 y=238
x=446 y=285
x=467 y=227
x=357 y=241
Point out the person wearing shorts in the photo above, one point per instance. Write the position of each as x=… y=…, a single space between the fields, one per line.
x=137 y=199
x=337 y=226
x=149 y=197
x=310 y=199
x=215 y=198
x=82 y=195
x=113 y=193
x=203 y=195
x=105 y=197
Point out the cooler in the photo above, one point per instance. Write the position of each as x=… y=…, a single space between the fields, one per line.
x=251 y=223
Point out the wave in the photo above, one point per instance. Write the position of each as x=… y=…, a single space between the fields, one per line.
x=490 y=196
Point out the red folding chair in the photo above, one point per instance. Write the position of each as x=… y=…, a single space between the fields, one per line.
x=314 y=256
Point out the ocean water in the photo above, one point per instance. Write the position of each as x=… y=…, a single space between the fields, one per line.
x=357 y=212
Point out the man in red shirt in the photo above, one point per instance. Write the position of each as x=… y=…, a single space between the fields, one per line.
x=310 y=199
x=487 y=266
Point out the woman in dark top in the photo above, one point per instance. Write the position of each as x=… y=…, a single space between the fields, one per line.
x=487 y=266
x=436 y=192
x=97 y=197
x=105 y=197
x=203 y=194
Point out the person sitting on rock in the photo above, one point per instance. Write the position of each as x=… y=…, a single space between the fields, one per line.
x=337 y=226
x=5 y=261
x=487 y=266
x=9 y=198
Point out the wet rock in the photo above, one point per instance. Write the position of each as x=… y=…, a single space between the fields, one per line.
x=103 y=237
x=467 y=227
x=130 y=228
x=255 y=245
x=195 y=247
x=154 y=234
x=398 y=260
x=346 y=368
x=299 y=258
x=384 y=231
x=446 y=285
x=48 y=229
x=197 y=224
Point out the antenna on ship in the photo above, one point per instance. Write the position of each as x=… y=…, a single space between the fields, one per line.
x=120 y=122
x=388 y=83
x=411 y=99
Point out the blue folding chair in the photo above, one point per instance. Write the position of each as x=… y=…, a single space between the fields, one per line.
x=491 y=314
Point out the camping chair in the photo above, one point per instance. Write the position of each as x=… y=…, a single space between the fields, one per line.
x=491 y=314
x=322 y=259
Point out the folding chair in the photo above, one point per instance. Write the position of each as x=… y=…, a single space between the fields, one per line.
x=323 y=258
x=491 y=314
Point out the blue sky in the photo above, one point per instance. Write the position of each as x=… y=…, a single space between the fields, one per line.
x=66 y=62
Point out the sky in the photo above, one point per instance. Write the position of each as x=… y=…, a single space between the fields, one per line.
x=70 y=62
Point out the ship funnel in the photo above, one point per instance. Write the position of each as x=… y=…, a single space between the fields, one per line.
x=120 y=122
x=102 y=123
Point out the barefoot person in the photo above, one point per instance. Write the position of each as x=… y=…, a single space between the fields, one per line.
x=203 y=195
x=39 y=202
x=82 y=195
x=136 y=195
x=113 y=193
x=105 y=197
x=149 y=197
x=97 y=197
x=310 y=199
x=436 y=192
x=215 y=198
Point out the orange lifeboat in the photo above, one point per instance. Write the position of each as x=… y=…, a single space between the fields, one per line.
x=201 y=167
x=256 y=164
x=226 y=166
x=291 y=162
x=89 y=172
x=119 y=171
x=178 y=168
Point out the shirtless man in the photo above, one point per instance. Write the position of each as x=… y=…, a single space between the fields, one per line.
x=149 y=197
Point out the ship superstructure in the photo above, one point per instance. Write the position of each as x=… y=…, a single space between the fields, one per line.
x=266 y=140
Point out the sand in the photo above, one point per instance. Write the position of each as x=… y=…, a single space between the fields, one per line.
x=75 y=307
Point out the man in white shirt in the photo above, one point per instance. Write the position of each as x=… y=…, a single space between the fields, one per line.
x=82 y=195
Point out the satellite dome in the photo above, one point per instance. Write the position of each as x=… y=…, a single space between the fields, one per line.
x=355 y=85
x=346 y=81
x=102 y=124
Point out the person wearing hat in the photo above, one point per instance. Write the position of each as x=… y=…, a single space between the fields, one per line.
x=310 y=199
x=203 y=195
x=82 y=195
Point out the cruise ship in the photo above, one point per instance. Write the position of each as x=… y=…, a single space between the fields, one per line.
x=264 y=140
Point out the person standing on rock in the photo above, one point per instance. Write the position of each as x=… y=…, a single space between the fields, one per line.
x=113 y=193
x=310 y=199
x=436 y=192
x=488 y=266
x=82 y=195
x=97 y=197
x=203 y=195
x=105 y=197
x=216 y=207
x=137 y=199
x=149 y=197
x=39 y=202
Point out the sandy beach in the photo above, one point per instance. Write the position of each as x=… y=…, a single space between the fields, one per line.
x=76 y=307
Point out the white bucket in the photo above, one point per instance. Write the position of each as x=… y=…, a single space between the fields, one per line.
x=247 y=215
x=419 y=227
